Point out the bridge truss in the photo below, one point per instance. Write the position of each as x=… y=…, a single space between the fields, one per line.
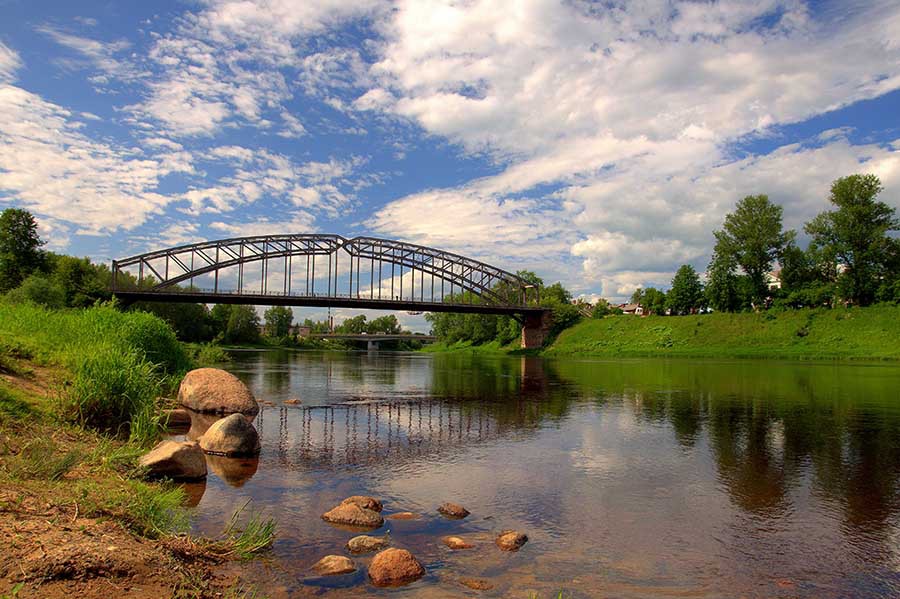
x=323 y=270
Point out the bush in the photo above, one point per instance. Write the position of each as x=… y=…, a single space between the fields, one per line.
x=40 y=290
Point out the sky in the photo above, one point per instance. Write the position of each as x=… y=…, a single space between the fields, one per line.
x=596 y=143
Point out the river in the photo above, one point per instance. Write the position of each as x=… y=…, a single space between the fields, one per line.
x=632 y=478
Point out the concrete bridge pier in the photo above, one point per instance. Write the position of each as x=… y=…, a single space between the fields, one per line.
x=371 y=345
x=536 y=328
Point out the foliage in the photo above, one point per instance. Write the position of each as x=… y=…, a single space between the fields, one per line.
x=191 y=322
x=207 y=354
x=857 y=234
x=752 y=239
x=38 y=289
x=42 y=459
x=601 y=308
x=278 y=321
x=20 y=253
x=686 y=295
x=254 y=536
x=722 y=283
x=653 y=300
x=82 y=282
x=243 y=325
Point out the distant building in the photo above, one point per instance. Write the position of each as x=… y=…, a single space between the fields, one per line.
x=636 y=309
x=300 y=330
x=773 y=280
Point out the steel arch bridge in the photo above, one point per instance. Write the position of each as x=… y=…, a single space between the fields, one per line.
x=326 y=270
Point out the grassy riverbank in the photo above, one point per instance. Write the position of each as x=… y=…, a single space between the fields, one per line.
x=855 y=333
x=79 y=404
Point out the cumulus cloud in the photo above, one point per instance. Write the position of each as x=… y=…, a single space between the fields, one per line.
x=612 y=125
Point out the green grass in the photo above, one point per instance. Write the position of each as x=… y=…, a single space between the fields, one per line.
x=118 y=362
x=841 y=333
x=493 y=347
x=207 y=354
x=253 y=536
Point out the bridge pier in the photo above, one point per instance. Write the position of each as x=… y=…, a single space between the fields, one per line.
x=371 y=345
x=536 y=329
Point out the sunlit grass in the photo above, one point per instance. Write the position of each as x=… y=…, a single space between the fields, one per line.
x=248 y=539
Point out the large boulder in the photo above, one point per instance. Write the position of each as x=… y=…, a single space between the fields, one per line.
x=214 y=390
x=331 y=565
x=350 y=514
x=454 y=511
x=395 y=567
x=511 y=540
x=231 y=436
x=175 y=460
x=364 y=501
x=366 y=544
x=176 y=420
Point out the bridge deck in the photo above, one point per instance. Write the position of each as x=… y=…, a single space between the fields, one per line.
x=321 y=301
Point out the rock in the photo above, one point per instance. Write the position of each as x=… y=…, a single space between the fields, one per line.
x=363 y=501
x=452 y=510
x=175 y=460
x=510 y=540
x=331 y=565
x=395 y=567
x=351 y=514
x=478 y=584
x=176 y=419
x=214 y=390
x=366 y=544
x=403 y=516
x=292 y=402
x=234 y=471
x=231 y=436
x=456 y=543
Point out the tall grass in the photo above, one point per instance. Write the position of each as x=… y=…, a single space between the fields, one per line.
x=255 y=535
x=42 y=459
x=120 y=362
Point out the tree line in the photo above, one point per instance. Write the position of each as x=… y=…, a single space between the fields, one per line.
x=851 y=258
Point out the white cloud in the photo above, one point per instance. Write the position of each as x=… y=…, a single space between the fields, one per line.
x=625 y=113
x=301 y=222
x=9 y=63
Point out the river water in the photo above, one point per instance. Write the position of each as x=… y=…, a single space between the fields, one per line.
x=631 y=478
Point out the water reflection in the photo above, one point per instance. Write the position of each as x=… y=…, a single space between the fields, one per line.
x=634 y=478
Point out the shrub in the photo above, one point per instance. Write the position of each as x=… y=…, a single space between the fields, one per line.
x=40 y=290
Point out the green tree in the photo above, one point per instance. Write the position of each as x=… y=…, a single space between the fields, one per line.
x=20 y=247
x=82 y=281
x=857 y=234
x=637 y=296
x=243 y=325
x=278 y=321
x=686 y=294
x=601 y=308
x=388 y=325
x=38 y=289
x=353 y=326
x=654 y=301
x=752 y=239
x=722 y=284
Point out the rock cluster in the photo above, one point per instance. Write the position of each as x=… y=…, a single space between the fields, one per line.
x=452 y=510
x=214 y=390
x=231 y=436
x=511 y=540
x=366 y=544
x=331 y=565
x=175 y=460
x=395 y=567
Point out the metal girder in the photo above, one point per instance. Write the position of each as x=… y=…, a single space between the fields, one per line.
x=494 y=286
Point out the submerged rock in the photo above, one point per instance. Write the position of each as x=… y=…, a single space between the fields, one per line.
x=363 y=501
x=231 y=436
x=456 y=543
x=331 y=565
x=366 y=544
x=214 y=390
x=395 y=567
x=176 y=419
x=478 y=584
x=404 y=516
x=175 y=460
x=452 y=510
x=351 y=514
x=510 y=540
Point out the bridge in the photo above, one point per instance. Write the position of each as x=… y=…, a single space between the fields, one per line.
x=372 y=340
x=323 y=270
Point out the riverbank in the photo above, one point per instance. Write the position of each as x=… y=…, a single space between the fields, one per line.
x=821 y=334
x=79 y=404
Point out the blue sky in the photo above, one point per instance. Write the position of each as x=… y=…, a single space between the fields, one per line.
x=595 y=143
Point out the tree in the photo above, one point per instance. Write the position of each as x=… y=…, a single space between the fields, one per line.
x=20 y=253
x=654 y=301
x=243 y=325
x=601 y=308
x=353 y=326
x=278 y=321
x=82 y=281
x=722 y=284
x=389 y=325
x=686 y=294
x=637 y=296
x=38 y=289
x=752 y=239
x=857 y=234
